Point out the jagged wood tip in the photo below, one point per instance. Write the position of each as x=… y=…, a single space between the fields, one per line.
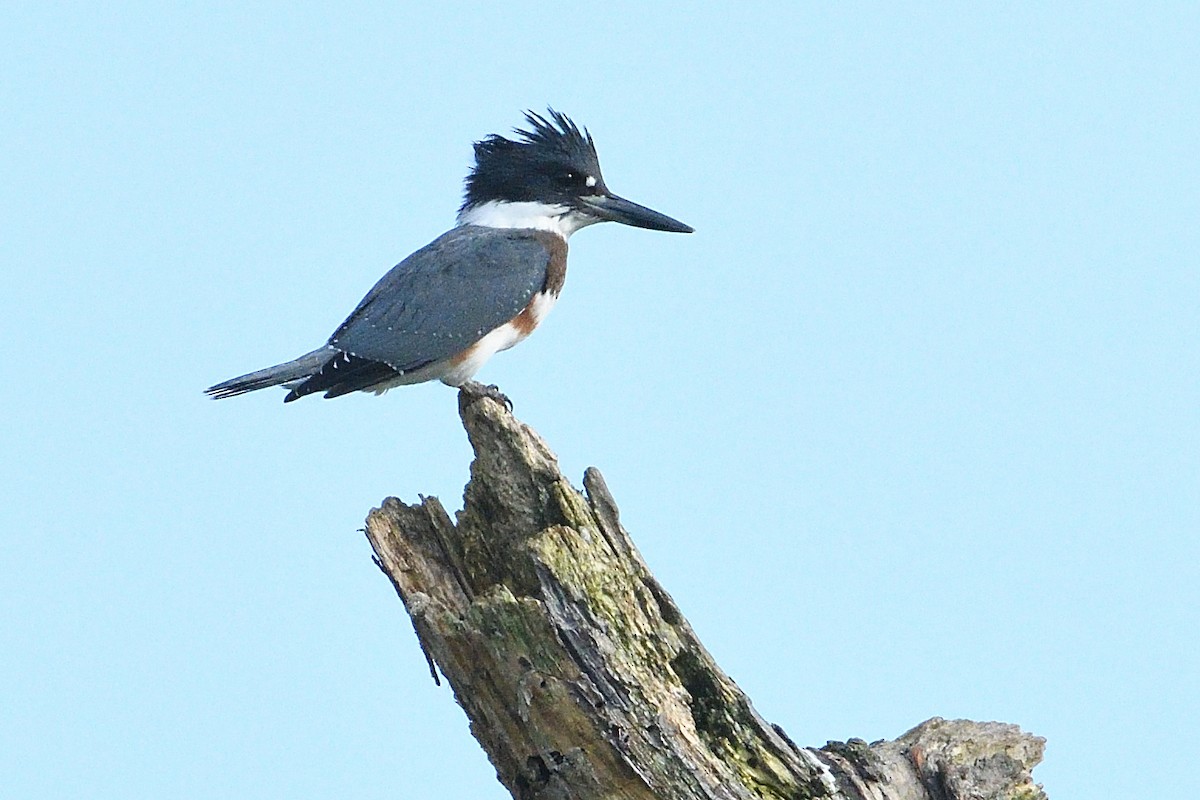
x=582 y=679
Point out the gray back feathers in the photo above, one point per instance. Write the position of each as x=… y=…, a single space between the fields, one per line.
x=446 y=296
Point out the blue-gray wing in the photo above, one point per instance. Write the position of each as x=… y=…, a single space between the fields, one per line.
x=445 y=297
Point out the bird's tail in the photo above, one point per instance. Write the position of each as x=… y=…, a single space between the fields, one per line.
x=281 y=374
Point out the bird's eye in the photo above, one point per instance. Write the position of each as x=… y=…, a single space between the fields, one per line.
x=577 y=181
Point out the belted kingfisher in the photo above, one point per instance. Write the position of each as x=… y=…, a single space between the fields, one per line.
x=478 y=289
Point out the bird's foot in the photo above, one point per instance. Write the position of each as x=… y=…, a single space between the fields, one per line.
x=474 y=390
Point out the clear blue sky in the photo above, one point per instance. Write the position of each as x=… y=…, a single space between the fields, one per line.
x=908 y=426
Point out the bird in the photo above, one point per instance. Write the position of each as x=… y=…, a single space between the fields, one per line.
x=478 y=289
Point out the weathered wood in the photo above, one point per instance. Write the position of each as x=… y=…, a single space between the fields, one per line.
x=582 y=679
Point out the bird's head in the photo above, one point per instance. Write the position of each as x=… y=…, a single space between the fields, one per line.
x=548 y=177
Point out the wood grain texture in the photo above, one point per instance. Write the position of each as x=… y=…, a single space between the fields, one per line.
x=582 y=679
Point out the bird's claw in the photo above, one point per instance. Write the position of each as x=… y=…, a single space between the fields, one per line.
x=476 y=390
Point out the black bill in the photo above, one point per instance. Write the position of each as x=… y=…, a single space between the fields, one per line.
x=618 y=209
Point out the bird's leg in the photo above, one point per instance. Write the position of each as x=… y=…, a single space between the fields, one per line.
x=473 y=390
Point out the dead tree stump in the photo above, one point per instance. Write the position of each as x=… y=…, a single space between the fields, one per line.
x=583 y=680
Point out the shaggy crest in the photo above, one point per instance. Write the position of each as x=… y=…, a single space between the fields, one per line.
x=538 y=159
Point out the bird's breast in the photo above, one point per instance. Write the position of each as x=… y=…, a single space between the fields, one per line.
x=465 y=364
x=533 y=314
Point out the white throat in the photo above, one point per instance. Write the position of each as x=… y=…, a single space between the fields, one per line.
x=562 y=220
